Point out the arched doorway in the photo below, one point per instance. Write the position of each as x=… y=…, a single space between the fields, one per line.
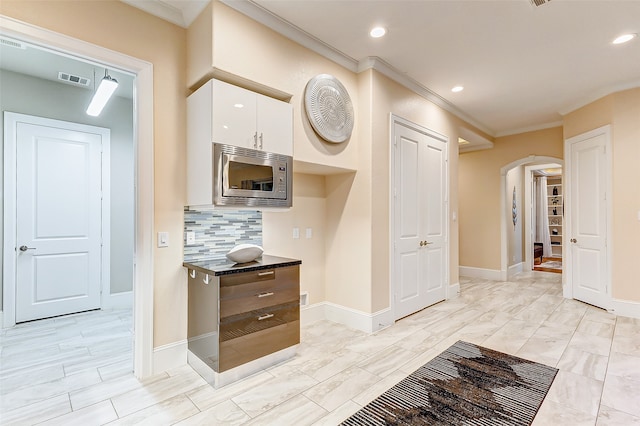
x=518 y=191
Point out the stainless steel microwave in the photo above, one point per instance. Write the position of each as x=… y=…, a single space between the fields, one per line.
x=251 y=178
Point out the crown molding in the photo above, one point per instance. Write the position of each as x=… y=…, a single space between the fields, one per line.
x=384 y=68
x=292 y=32
x=182 y=14
x=287 y=29
x=529 y=129
x=606 y=91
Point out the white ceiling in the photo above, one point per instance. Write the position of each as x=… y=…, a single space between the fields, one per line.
x=522 y=66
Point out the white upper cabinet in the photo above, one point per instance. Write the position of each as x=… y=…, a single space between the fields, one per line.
x=274 y=125
x=244 y=118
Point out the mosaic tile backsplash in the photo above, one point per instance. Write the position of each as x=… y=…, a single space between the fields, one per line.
x=218 y=231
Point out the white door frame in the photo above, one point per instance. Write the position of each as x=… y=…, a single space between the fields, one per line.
x=528 y=209
x=11 y=120
x=393 y=119
x=568 y=208
x=504 y=221
x=143 y=139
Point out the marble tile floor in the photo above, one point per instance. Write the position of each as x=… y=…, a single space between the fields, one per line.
x=337 y=370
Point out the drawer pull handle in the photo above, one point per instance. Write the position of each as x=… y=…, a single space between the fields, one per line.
x=270 y=293
x=264 y=317
x=264 y=274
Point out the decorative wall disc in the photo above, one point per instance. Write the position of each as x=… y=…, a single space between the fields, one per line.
x=329 y=108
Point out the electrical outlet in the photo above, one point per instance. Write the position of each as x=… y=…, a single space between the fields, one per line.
x=309 y=233
x=189 y=237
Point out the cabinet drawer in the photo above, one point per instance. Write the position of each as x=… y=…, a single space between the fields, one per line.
x=257 y=296
x=252 y=346
x=229 y=283
x=243 y=324
x=249 y=291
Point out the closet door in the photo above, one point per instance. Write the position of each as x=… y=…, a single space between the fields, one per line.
x=419 y=212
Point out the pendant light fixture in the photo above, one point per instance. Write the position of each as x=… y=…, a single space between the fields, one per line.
x=101 y=96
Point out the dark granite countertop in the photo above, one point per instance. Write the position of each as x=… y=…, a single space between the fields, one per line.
x=223 y=266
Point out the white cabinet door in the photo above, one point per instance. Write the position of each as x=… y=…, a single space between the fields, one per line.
x=247 y=119
x=274 y=125
x=233 y=115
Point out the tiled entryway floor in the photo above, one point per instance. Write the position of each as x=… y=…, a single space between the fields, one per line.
x=56 y=379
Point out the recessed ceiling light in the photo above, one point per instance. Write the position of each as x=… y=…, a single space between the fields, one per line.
x=624 y=38
x=378 y=32
x=457 y=89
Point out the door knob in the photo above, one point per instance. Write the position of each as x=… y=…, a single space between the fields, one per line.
x=573 y=240
x=421 y=243
x=25 y=248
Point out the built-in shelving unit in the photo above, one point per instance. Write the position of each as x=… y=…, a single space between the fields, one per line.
x=555 y=203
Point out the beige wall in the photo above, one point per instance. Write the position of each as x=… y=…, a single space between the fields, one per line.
x=622 y=111
x=309 y=211
x=479 y=192
x=117 y=26
x=390 y=97
x=515 y=240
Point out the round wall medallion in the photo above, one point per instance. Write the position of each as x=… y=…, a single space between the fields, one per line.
x=329 y=108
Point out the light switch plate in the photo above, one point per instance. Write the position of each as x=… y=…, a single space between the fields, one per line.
x=296 y=232
x=163 y=239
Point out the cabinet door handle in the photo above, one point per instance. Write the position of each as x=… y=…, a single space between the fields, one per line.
x=264 y=317
x=264 y=274
x=255 y=140
x=267 y=294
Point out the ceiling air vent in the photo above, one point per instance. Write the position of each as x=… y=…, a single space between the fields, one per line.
x=537 y=3
x=73 y=79
x=12 y=43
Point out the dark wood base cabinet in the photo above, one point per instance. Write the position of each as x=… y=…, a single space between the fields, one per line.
x=245 y=315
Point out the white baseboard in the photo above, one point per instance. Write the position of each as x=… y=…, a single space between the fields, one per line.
x=453 y=291
x=625 y=308
x=353 y=318
x=515 y=269
x=167 y=357
x=487 y=274
x=122 y=300
x=312 y=313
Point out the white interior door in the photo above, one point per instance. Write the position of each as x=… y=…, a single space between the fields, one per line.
x=58 y=220
x=419 y=204
x=588 y=217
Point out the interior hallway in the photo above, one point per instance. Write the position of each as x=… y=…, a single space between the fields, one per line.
x=47 y=378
